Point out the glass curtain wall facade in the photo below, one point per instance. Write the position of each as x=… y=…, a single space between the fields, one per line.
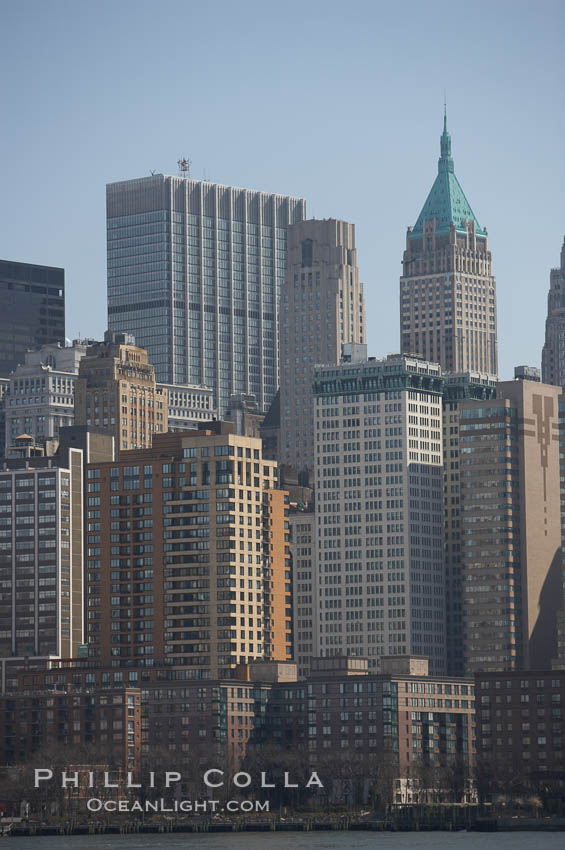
x=194 y=272
x=33 y=310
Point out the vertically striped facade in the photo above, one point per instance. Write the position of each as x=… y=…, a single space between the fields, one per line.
x=195 y=271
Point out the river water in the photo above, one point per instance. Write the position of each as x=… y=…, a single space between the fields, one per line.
x=300 y=841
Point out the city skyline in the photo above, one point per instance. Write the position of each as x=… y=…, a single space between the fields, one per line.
x=282 y=483
x=507 y=154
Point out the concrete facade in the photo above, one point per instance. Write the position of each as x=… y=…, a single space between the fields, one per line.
x=302 y=524
x=511 y=526
x=553 y=355
x=188 y=406
x=322 y=308
x=457 y=388
x=41 y=561
x=40 y=395
x=379 y=510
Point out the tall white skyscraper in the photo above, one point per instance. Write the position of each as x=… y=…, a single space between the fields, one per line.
x=195 y=271
x=379 y=585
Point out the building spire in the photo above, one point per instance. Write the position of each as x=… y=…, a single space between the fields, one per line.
x=445 y=162
x=446 y=201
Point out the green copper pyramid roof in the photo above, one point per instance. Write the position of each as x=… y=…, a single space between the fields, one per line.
x=446 y=202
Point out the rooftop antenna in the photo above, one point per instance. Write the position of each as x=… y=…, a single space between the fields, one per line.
x=184 y=167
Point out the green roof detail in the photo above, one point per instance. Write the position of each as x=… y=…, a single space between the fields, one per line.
x=446 y=202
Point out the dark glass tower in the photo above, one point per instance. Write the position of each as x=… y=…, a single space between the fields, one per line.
x=32 y=310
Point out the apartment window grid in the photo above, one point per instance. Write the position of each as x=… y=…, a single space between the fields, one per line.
x=379 y=523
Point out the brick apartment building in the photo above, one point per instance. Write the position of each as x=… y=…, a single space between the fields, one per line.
x=181 y=720
x=520 y=733
x=187 y=556
x=84 y=723
x=402 y=728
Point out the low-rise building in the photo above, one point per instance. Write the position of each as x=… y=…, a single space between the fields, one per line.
x=401 y=734
x=520 y=733
x=208 y=722
x=82 y=722
x=402 y=731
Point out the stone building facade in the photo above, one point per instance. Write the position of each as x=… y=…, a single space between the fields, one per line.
x=511 y=527
x=447 y=290
x=553 y=355
x=322 y=308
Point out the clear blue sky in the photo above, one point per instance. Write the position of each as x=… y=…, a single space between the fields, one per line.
x=340 y=103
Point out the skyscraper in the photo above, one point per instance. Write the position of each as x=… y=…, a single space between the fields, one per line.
x=41 y=560
x=302 y=532
x=195 y=271
x=116 y=391
x=195 y=529
x=33 y=310
x=457 y=388
x=322 y=307
x=379 y=582
x=511 y=526
x=553 y=356
x=447 y=291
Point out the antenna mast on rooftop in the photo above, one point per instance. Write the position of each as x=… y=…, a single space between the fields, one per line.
x=184 y=167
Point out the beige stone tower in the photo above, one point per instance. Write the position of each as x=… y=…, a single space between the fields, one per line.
x=116 y=391
x=447 y=291
x=322 y=307
x=511 y=525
